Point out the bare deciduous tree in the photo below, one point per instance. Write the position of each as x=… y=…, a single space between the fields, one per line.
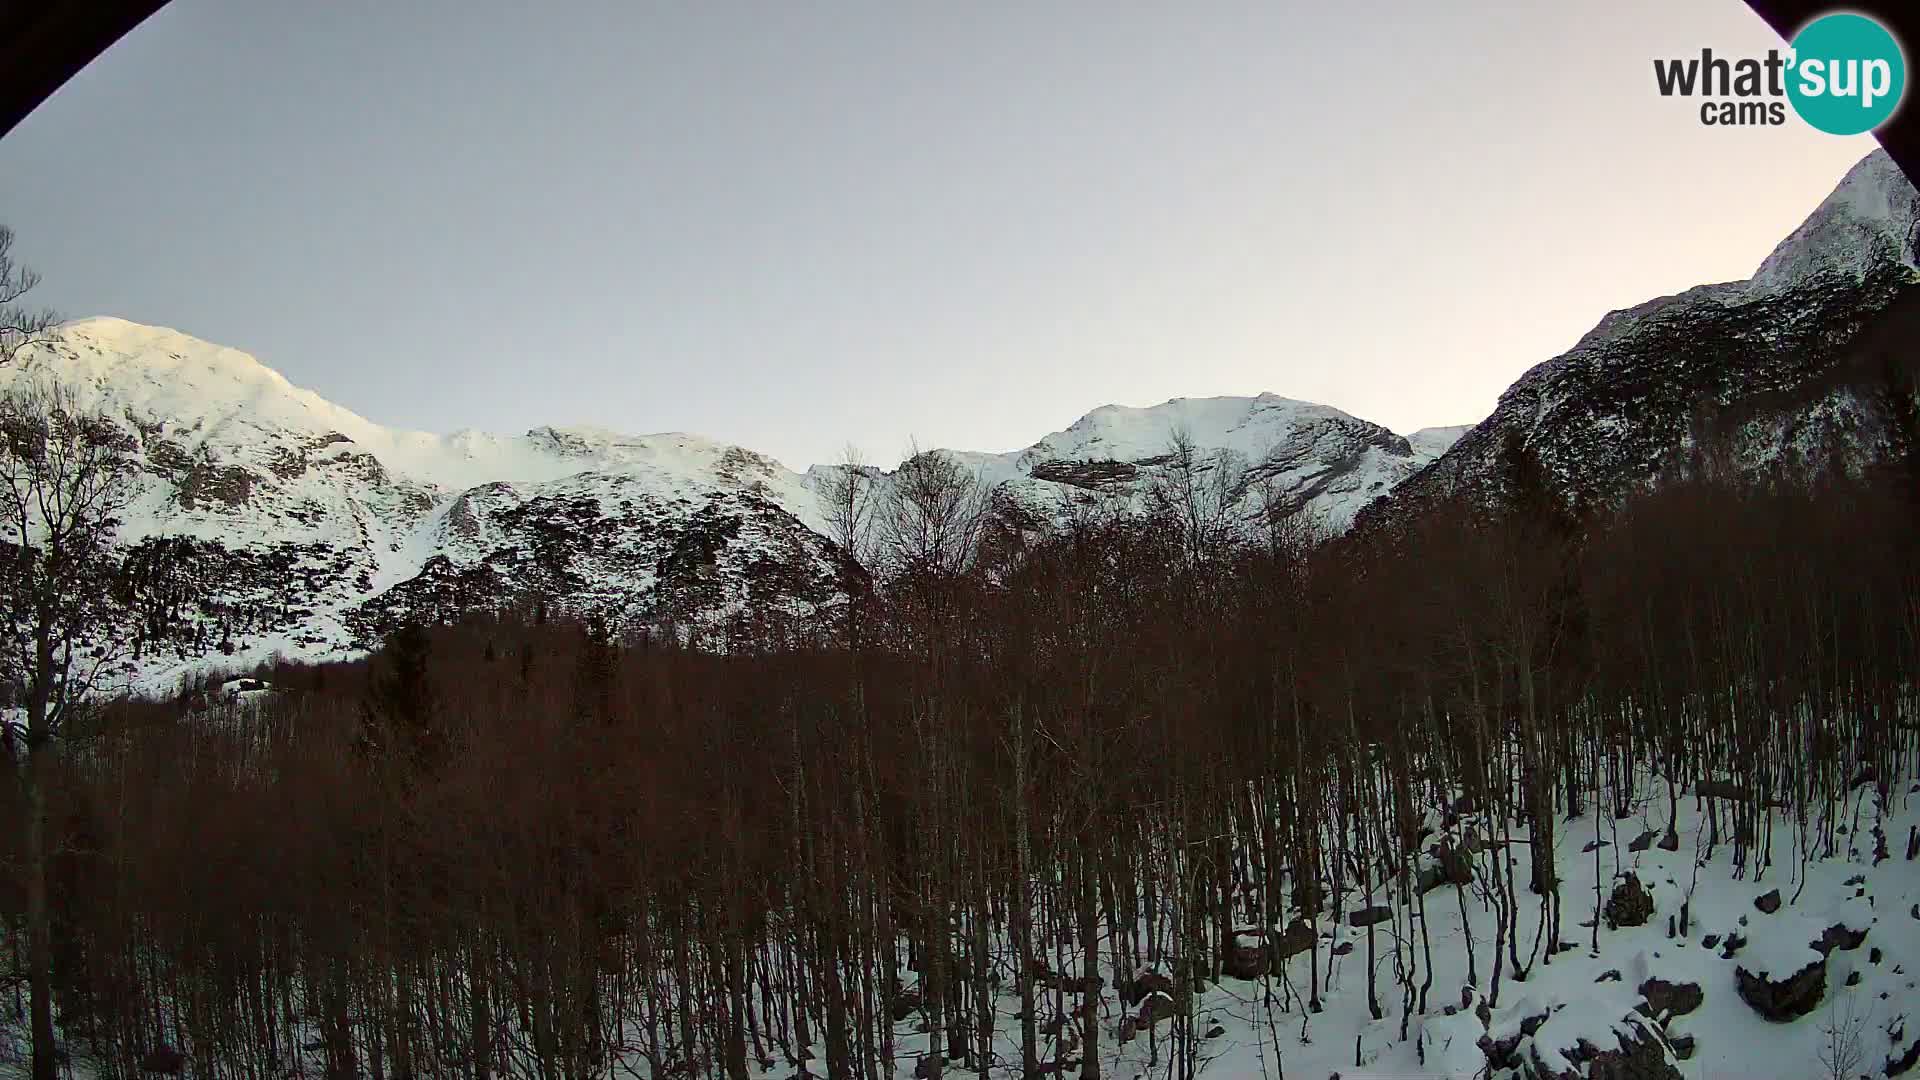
x=935 y=512
x=64 y=475
x=1842 y=1050
x=1196 y=492
x=20 y=325
x=847 y=495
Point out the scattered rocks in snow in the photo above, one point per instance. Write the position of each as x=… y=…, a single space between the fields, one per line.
x=1630 y=905
x=1643 y=841
x=1502 y=1049
x=1245 y=955
x=1780 y=1000
x=1156 y=1007
x=1297 y=939
x=1683 y=1046
x=1768 y=902
x=1671 y=998
x=1254 y=952
x=1898 y=1066
x=1571 y=1046
x=1450 y=866
x=1839 y=936
x=1145 y=985
x=1710 y=940
x=1370 y=916
x=1450 y=1045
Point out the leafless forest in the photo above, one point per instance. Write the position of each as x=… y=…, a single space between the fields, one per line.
x=1020 y=762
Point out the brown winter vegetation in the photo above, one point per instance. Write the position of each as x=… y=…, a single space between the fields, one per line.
x=1023 y=760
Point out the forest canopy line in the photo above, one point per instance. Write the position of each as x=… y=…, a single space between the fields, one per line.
x=1044 y=760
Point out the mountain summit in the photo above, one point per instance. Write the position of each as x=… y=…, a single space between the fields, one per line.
x=270 y=520
x=1769 y=373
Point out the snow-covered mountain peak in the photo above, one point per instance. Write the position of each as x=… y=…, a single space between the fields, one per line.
x=159 y=371
x=1765 y=368
x=224 y=405
x=1249 y=425
x=1871 y=220
x=1431 y=442
x=1870 y=217
x=269 y=515
x=1309 y=457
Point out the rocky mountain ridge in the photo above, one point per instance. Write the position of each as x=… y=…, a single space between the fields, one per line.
x=268 y=520
x=1768 y=373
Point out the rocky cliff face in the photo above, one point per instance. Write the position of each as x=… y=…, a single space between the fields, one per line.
x=1762 y=373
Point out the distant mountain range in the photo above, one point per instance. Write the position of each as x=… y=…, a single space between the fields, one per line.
x=270 y=520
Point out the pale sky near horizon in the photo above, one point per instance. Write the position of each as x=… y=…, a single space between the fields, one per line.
x=791 y=226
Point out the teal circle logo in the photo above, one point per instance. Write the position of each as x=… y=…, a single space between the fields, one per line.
x=1848 y=74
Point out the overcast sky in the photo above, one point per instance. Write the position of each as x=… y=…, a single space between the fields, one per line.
x=794 y=225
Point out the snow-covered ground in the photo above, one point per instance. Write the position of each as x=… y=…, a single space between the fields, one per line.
x=1586 y=1000
x=1855 y=920
x=1583 y=995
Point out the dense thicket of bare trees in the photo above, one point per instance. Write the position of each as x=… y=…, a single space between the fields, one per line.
x=1099 y=756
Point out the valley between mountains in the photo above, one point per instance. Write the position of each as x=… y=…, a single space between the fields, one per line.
x=271 y=522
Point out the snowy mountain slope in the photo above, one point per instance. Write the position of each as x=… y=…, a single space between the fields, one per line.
x=1770 y=369
x=1315 y=458
x=1660 y=1000
x=270 y=520
x=1305 y=457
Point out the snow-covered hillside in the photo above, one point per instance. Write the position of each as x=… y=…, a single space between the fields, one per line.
x=272 y=521
x=1779 y=366
x=1706 y=966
